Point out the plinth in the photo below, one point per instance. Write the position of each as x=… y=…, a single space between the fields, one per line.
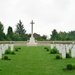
x=32 y=42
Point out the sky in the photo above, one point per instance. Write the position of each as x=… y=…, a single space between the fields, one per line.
x=47 y=15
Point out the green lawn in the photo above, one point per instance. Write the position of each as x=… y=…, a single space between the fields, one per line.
x=34 y=61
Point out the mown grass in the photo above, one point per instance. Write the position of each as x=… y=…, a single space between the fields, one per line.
x=34 y=61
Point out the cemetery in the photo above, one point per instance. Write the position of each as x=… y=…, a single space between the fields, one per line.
x=34 y=57
x=37 y=37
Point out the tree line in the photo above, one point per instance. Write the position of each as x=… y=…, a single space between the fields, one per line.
x=62 y=36
x=20 y=34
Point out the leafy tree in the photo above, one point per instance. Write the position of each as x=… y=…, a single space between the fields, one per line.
x=8 y=38
x=26 y=37
x=16 y=37
x=2 y=34
x=20 y=29
x=44 y=37
x=38 y=37
x=71 y=35
x=63 y=36
x=55 y=35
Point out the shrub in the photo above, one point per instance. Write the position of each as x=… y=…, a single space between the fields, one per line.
x=58 y=57
x=19 y=48
x=68 y=55
x=54 y=50
x=5 y=57
x=7 y=52
x=0 y=70
x=73 y=66
x=46 y=49
x=16 y=50
x=69 y=67
x=13 y=53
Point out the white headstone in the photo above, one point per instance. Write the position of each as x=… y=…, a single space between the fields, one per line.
x=0 y=53
x=67 y=48
x=74 y=47
x=63 y=52
x=6 y=46
x=12 y=47
x=58 y=46
x=51 y=45
x=70 y=46
x=73 y=52
x=3 y=48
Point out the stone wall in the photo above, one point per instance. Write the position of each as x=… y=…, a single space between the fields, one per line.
x=40 y=43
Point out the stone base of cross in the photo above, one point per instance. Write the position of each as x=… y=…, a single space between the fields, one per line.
x=32 y=42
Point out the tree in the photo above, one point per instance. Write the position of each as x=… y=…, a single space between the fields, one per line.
x=63 y=36
x=10 y=33
x=26 y=37
x=20 y=29
x=2 y=35
x=71 y=35
x=55 y=35
x=38 y=37
x=44 y=37
x=16 y=37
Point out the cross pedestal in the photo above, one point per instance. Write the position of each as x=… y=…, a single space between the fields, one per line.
x=32 y=39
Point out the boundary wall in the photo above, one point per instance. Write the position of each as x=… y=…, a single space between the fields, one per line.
x=39 y=43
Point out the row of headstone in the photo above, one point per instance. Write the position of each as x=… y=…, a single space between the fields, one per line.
x=4 y=47
x=65 y=48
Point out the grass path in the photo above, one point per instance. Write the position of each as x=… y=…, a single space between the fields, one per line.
x=34 y=61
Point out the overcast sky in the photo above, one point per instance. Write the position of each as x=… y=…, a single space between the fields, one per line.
x=47 y=15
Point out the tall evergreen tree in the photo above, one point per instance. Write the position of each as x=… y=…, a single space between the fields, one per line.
x=20 y=30
x=10 y=33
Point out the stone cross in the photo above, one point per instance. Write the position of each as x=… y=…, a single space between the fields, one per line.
x=32 y=28
x=32 y=41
